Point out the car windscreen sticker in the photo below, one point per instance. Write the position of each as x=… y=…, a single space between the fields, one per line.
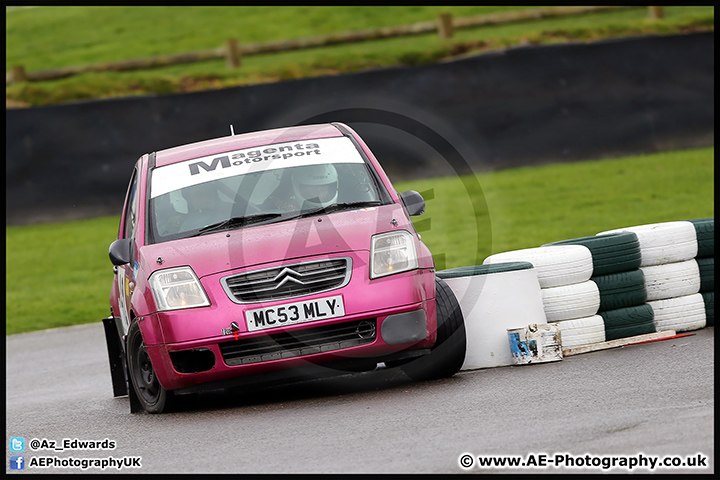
x=239 y=162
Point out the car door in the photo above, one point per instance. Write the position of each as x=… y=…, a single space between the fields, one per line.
x=125 y=281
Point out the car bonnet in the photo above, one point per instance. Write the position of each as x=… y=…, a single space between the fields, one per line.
x=293 y=239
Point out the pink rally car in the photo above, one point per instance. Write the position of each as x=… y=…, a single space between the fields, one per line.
x=271 y=256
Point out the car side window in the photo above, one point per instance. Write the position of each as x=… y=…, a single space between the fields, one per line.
x=131 y=207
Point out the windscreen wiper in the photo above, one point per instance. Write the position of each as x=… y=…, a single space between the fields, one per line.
x=336 y=207
x=235 y=222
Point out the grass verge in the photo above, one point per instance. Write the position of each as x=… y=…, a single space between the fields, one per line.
x=52 y=37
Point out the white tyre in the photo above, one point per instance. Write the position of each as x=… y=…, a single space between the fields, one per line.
x=681 y=314
x=582 y=331
x=672 y=280
x=660 y=243
x=555 y=264
x=571 y=301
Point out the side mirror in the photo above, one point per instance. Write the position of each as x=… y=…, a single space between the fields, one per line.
x=119 y=251
x=414 y=202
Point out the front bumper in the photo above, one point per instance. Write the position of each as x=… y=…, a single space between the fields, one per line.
x=347 y=343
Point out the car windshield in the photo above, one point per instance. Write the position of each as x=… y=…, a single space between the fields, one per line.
x=259 y=185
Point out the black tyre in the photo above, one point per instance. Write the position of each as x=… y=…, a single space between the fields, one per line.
x=616 y=252
x=448 y=354
x=152 y=396
x=705 y=231
x=628 y=322
x=621 y=290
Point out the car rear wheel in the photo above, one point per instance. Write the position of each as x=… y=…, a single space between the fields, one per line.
x=448 y=354
x=153 y=397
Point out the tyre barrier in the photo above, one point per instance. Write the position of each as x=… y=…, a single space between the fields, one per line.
x=611 y=253
x=672 y=280
x=681 y=314
x=633 y=280
x=582 y=331
x=616 y=259
x=667 y=242
x=621 y=289
x=705 y=233
x=493 y=299
x=671 y=263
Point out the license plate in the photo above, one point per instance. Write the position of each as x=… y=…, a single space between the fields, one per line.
x=294 y=313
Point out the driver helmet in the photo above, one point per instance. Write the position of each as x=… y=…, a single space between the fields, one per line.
x=316 y=185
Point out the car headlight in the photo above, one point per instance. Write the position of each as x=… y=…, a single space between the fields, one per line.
x=176 y=288
x=392 y=252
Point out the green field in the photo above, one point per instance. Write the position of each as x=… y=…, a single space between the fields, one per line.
x=51 y=37
x=59 y=274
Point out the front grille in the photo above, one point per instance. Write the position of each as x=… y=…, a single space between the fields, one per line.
x=288 y=280
x=307 y=341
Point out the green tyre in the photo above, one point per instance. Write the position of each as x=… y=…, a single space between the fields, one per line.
x=709 y=300
x=705 y=231
x=706 y=265
x=628 y=321
x=621 y=290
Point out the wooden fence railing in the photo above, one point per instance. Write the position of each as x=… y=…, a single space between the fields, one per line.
x=233 y=51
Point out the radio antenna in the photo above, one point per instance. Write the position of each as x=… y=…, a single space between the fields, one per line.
x=232 y=131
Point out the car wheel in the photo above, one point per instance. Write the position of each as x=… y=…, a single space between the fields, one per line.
x=448 y=354
x=153 y=397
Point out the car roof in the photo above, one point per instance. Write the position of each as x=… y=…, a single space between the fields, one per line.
x=244 y=140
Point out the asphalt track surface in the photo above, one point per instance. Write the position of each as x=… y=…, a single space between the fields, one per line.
x=649 y=400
